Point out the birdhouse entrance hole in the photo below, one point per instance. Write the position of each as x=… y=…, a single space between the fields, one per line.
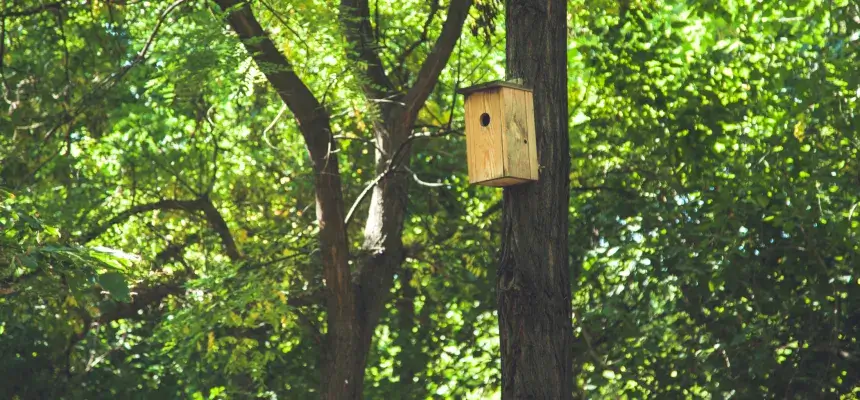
x=485 y=119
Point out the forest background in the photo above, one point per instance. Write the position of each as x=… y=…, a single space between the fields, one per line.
x=212 y=199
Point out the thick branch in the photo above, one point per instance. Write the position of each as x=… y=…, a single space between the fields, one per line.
x=312 y=117
x=204 y=204
x=355 y=17
x=458 y=10
x=220 y=226
x=186 y=205
x=145 y=297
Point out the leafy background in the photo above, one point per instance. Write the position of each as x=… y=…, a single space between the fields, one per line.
x=713 y=206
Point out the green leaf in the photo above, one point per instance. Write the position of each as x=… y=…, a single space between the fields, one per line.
x=28 y=261
x=78 y=285
x=52 y=231
x=116 y=285
x=33 y=222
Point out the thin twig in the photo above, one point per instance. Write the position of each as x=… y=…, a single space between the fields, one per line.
x=424 y=183
x=390 y=167
x=362 y=195
x=272 y=125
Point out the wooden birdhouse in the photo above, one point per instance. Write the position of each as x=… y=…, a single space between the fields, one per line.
x=500 y=134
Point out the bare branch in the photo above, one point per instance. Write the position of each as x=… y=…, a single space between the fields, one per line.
x=281 y=113
x=422 y=182
x=391 y=166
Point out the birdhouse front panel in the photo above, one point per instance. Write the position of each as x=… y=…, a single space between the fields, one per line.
x=484 y=141
x=500 y=134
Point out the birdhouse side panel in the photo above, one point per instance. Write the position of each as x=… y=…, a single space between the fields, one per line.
x=484 y=145
x=534 y=162
x=516 y=133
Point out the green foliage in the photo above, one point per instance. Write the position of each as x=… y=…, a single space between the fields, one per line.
x=721 y=258
x=48 y=288
x=714 y=211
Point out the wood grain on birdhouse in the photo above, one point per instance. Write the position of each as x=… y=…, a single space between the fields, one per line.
x=500 y=134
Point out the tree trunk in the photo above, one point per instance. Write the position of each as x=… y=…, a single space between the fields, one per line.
x=382 y=251
x=533 y=287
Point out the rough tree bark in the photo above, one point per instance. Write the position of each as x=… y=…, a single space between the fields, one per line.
x=354 y=299
x=533 y=287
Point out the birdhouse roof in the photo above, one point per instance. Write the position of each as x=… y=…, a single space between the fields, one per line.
x=492 y=85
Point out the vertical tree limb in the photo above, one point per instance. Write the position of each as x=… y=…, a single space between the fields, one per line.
x=343 y=365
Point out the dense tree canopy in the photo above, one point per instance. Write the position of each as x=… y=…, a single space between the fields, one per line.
x=168 y=193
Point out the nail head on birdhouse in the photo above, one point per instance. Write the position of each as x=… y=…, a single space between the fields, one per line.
x=500 y=134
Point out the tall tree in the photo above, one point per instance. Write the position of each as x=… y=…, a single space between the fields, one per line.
x=354 y=298
x=534 y=293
